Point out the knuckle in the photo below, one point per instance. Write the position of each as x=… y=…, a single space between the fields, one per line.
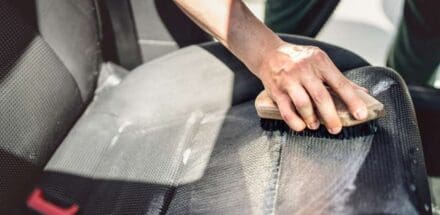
x=319 y=96
x=300 y=64
x=293 y=67
x=280 y=79
x=280 y=71
x=287 y=69
x=276 y=80
x=278 y=98
x=319 y=54
x=309 y=78
x=342 y=84
x=302 y=103
x=287 y=116
x=275 y=92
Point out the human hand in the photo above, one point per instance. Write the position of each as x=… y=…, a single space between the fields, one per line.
x=296 y=78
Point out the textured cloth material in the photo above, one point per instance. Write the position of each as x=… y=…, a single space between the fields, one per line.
x=317 y=174
x=398 y=146
x=180 y=135
x=39 y=101
x=380 y=174
x=70 y=27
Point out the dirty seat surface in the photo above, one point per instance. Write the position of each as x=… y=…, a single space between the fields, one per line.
x=180 y=135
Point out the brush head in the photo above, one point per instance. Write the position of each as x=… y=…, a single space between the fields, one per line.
x=356 y=131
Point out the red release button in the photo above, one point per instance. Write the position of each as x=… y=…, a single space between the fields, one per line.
x=37 y=202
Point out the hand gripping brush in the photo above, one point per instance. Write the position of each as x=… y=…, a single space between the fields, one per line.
x=271 y=119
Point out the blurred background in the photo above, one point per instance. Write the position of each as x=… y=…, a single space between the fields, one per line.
x=365 y=27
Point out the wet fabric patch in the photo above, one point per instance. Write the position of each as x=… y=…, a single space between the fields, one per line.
x=318 y=174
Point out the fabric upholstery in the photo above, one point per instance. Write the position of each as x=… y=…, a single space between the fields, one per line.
x=383 y=174
x=70 y=28
x=40 y=97
x=180 y=135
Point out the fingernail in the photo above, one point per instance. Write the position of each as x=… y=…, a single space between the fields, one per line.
x=361 y=113
x=314 y=125
x=335 y=130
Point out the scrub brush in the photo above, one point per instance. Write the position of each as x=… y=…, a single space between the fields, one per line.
x=271 y=119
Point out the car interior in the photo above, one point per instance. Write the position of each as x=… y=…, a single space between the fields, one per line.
x=127 y=107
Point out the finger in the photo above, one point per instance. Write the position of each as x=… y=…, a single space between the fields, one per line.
x=324 y=103
x=288 y=113
x=344 y=88
x=359 y=87
x=303 y=105
x=348 y=94
x=363 y=89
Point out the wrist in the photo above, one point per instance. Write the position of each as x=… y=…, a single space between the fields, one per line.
x=268 y=51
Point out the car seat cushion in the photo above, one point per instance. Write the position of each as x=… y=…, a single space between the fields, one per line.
x=180 y=135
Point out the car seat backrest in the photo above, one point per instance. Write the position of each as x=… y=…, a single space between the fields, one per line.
x=49 y=59
x=162 y=28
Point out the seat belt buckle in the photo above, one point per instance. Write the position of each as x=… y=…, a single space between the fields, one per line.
x=37 y=202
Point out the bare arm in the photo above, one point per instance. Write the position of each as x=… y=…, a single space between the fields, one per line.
x=295 y=76
x=231 y=22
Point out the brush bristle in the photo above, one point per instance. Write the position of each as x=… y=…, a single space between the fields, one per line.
x=361 y=130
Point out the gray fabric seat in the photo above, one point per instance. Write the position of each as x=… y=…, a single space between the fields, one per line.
x=180 y=135
x=49 y=61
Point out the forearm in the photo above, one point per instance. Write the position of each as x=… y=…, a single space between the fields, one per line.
x=232 y=23
x=296 y=77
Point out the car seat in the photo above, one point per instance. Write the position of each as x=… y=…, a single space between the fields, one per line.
x=179 y=134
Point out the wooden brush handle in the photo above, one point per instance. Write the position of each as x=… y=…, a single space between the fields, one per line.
x=267 y=108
